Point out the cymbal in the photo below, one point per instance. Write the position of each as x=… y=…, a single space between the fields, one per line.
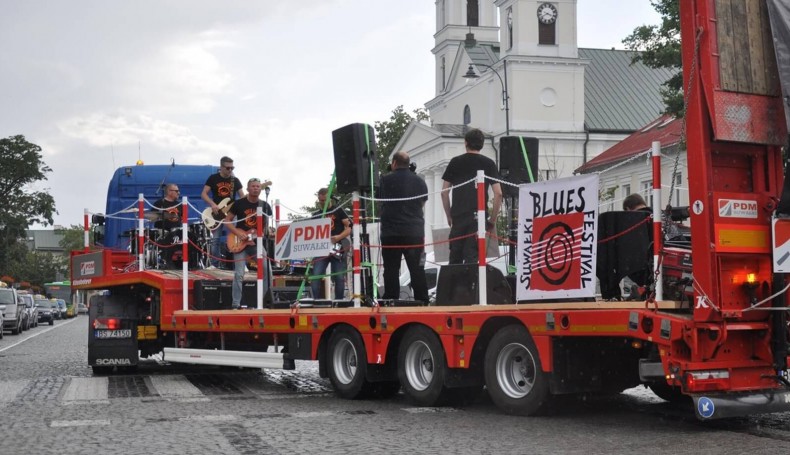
x=152 y=215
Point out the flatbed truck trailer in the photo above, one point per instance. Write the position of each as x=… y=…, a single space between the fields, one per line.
x=727 y=350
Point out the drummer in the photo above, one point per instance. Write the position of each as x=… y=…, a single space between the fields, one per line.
x=170 y=208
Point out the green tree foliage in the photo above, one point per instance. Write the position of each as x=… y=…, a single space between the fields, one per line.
x=21 y=167
x=389 y=132
x=659 y=47
x=73 y=238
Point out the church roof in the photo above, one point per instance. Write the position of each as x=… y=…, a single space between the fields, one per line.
x=665 y=129
x=619 y=95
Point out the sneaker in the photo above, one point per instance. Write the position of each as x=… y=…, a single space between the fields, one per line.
x=236 y=307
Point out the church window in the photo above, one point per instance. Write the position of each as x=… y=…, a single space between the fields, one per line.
x=510 y=27
x=547 y=33
x=444 y=75
x=467 y=115
x=472 y=13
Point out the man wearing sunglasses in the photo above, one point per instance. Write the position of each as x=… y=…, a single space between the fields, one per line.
x=222 y=185
x=244 y=211
x=170 y=209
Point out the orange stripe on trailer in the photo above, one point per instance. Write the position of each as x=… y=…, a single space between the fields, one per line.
x=738 y=238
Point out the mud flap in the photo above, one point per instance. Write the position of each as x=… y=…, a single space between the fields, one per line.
x=722 y=406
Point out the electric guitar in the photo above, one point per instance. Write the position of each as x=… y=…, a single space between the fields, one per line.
x=340 y=248
x=236 y=243
x=212 y=219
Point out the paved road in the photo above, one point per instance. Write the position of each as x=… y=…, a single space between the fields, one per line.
x=51 y=403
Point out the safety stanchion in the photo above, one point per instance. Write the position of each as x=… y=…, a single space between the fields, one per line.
x=357 y=255
x=259 y=255
x=184 y=254
x=140 y=231
x=86 y=236
x=481 y=237
x=657 y=240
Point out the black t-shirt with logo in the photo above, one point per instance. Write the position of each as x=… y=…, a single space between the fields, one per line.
x=222 y=187
x=171 y=214
x=337 y=215
x=243 y=208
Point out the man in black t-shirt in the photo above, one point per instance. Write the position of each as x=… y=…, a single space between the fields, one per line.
x=341 y=230
x=403 y=227
x=169 y=209
x=462 y=216
x=244 y=212
x=222 y=185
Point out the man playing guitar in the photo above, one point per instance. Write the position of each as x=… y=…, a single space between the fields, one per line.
x=244 y=231
x=341 y=229
x=222 y=185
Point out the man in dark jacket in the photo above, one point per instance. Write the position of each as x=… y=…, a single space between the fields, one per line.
x=403 y=227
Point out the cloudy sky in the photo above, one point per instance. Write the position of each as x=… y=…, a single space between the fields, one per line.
x=265 y=82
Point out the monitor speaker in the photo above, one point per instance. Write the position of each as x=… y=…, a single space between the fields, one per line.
x=458 y=286
x=355 y=158
x=513 y=167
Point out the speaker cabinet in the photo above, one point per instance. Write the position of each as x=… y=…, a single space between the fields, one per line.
x=512 y=166
x=355 y=152
x=458 y=286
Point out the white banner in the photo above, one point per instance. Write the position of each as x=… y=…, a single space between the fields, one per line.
x=557 y=238
x=303 y=239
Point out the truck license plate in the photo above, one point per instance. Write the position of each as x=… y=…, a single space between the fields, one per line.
x=123 y=333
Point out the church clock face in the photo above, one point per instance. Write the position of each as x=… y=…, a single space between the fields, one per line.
x=547 y=13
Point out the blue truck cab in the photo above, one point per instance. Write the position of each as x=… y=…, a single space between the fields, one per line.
x=112 y=229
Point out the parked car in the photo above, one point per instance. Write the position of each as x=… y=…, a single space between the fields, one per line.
x=2 y=310
x=14 y=315
x=45 y=313
x=30 y=307
x=82 y=308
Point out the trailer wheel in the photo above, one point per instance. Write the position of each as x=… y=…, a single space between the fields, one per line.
x=669 y=393
x=513 y=374
x=422 y=367
x=347 y=364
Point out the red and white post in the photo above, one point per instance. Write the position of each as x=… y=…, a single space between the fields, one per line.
x=259 y=256
x=184 y=254
x=140 y=231
x=657 y=231
x=481 y=238
x=86 y=236
x=357 y=253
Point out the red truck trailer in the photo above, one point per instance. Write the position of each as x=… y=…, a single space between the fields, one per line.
x=726 y=348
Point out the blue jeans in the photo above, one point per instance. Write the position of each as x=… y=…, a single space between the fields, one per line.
x=320 y=266
x=239 y=264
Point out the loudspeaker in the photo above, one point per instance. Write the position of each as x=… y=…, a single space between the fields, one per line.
x=458 y=286
x=355 y=152
x=512 y=166
x=213 y=295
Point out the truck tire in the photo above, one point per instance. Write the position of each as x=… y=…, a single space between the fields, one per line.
x=669 y=393
x=514 y=377
x=347 y=364
x=422 y=367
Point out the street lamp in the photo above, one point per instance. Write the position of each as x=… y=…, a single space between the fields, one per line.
x=471 y=74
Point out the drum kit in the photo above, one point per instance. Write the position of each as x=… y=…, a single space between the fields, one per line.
x=162 y=248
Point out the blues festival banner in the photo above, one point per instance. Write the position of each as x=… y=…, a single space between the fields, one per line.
x=557 y=238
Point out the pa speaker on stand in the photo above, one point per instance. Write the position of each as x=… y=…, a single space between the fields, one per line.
x=356 y=166
x=518 y=162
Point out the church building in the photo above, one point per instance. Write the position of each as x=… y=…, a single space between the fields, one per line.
x=513 y=68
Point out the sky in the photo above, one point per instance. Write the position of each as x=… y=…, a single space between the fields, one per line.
x=99 y=84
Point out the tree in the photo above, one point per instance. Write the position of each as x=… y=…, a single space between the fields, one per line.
x=21 y=166
x=659 y=47
x=389 y=132
x=73 y=238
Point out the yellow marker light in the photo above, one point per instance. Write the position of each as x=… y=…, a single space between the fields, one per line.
x=751 y=278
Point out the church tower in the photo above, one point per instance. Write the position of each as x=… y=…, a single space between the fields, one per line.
x=454 y=20
x=538 y=28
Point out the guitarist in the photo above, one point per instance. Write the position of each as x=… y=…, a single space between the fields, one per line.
x=222 y=185
x=245 y=228
x=341 y=229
